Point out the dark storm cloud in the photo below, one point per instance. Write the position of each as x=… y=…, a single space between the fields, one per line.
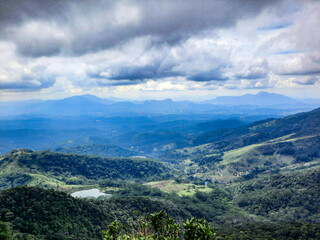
x=15 y=12
x=27 y=83
x=302 y=72
x=307 y=81
x=124 y=82
x=135 y=73
x=251 y=76
x=79 y=27
x=212 y=75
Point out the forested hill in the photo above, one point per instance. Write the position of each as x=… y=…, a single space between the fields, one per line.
x=103 y=150
x=302 y=124
x=20 y=166
x=267 y=147
x=36 y=213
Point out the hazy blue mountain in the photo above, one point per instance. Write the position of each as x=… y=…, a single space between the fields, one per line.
x=260 y=99
x=268 y=104
x=76 y=105
x=94 y=98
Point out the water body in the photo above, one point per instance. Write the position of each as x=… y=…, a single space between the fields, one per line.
x=90 y=193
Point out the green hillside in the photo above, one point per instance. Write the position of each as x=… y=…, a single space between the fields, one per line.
x=102 y=150
x=302 y=124
x=47 y=169
x=262 y=148
x=282 y=198
x=36 y=213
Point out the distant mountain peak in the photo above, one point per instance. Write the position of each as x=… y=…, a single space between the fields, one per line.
x=262 y=98
x=87 y=95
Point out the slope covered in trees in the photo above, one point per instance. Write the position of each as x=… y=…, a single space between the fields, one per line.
x=283 y=197
x=261 y=148
x=23 y=166
x=102 y=150
x=301 y=124
x=50 y=214
x=35 y=213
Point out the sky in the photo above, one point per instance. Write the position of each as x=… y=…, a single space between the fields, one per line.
x=179 y=49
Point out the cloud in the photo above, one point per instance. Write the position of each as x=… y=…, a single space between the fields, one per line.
x=181 y=45
x=133 y=73
x=300 y=64
x=275 y=27
x=19 y=78
x=19 y=75
x=211 y=75
x=73 y=27
x=38 y=39
x=286 y=52
x=255 y=69
x=307 y=80
x=299 y=44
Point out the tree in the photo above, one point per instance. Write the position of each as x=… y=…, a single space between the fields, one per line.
x=159 y=226
x=5 y=231
x=198 y=229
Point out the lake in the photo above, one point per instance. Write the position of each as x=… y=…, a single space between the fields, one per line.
x=89 y=193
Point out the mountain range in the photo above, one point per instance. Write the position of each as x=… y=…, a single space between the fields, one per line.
x=263 y=102
x=263 y=99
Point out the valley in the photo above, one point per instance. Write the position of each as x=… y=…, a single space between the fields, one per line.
x=233 y=171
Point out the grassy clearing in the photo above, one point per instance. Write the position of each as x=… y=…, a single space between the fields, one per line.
x=49 y=182
x=301 y=166
x=191 y=150
x=182 y=189
x=236 y=154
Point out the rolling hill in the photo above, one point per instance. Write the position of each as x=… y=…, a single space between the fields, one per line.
x=36 y=213
x=65 y=171
x=270 y=146
x=102 y=150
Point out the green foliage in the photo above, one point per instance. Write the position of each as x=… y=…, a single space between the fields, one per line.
x=289 y=197
x=300 y=124
x=160 y=226
x=21 y=167
x=113 y=232
x=103 y=150
x=50 y=214
x=215 y=205
x=198 y=229
x=5 y=231
x=303 y=150
x=163 y=227
x=267 y=231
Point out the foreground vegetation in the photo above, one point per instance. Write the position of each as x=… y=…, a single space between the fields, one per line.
x=34 y=213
